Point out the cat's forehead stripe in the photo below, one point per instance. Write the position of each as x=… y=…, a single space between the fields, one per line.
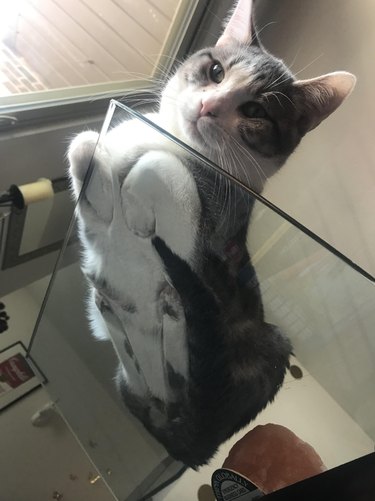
x=207 y=54
x=234 y=61
x=258 y=67
x=239 y=80
x=245 y=75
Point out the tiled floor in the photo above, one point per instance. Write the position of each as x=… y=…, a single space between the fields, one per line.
x=309 y=411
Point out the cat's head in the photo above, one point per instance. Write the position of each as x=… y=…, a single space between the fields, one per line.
x=242 y=107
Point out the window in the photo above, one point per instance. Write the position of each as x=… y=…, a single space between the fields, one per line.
x=53 y=50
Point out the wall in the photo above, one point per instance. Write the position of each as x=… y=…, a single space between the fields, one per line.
x=329 y=183
x=37 y=461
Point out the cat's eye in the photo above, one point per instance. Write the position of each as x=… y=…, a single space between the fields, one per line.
x=216 y=73
x=253 y=110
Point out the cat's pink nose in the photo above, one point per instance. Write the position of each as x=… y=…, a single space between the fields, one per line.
x=209 y=108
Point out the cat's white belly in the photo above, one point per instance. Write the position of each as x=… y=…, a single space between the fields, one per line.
x=142 y=328
x=157 y=198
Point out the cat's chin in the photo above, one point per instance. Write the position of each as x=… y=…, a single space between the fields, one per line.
x=203 y=134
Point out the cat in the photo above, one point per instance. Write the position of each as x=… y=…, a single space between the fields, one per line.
x=164 y=238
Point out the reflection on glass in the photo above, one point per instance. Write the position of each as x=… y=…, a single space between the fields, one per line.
x=200 y=334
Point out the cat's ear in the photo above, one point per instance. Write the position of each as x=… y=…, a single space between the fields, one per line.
x=317 y=98
x=240 y=26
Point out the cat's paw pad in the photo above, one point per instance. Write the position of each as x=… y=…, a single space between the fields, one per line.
x=139 y=218
x=80 y=153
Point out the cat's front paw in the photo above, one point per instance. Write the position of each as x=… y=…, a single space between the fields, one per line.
x=139 y=218
x=81 y=151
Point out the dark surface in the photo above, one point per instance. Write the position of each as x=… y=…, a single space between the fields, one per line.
x=354 y=481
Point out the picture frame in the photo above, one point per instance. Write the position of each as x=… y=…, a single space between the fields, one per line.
x=17 y=377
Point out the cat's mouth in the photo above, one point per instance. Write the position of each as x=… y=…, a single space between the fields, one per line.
x=205 y=131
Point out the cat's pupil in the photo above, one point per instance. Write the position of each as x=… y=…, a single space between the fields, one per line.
x=253 y=110
x=216 y=73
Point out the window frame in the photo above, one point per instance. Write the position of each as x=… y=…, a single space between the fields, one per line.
x=19 y=111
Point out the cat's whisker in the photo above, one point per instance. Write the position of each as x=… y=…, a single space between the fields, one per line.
x=279 y=80
x=290 y=65
x=309 y=64
x=282 y=94
x=254 y=162
x=259 y=31
x=274 y=93
x=154 y=80
x=237 y=162
x=230 y=205
x=127 y=95
x=214 y=15
x=218 y=152
x=158 y=65
x=174 y=59
x=300 y=71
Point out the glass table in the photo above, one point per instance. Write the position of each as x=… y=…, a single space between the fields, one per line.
x=322 y=301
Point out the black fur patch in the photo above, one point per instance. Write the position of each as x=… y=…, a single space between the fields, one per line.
x=177 y=381
x=169 y=310
x=158 y=403
x=129 y=307
x=101 y=303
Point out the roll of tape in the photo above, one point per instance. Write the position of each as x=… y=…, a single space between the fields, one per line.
x=35 y=192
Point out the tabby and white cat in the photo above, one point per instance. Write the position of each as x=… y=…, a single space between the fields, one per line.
x=164 y=239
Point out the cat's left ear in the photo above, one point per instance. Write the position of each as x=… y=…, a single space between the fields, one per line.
x=240 y=26
x=317 y=98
